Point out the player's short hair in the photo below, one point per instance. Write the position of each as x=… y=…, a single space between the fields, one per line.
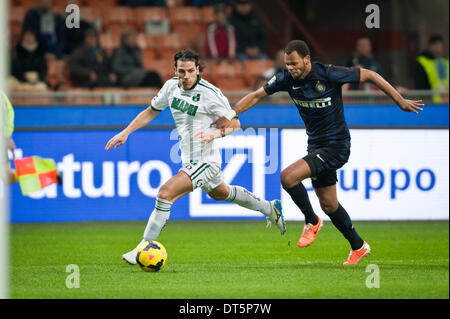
x=187 y=55
x=297 y=45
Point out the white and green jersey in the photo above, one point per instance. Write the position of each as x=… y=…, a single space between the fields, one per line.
x=193 y=110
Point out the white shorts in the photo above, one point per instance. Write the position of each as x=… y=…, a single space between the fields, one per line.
x=206 y=175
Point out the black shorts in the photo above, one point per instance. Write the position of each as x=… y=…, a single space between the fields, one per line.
x=324 y=161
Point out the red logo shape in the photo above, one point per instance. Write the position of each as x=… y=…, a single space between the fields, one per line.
x=150 y=257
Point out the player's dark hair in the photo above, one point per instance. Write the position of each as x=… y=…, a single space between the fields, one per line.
x=435 y=37
x=297 y=45
x=188 y=55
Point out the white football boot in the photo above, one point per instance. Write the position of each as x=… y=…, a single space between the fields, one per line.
x=276 y=216
x=130 y=257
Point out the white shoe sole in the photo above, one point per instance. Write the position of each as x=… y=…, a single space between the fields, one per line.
x=281 y=225
x=128 y=257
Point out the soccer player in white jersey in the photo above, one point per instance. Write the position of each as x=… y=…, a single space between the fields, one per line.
x=194 y=104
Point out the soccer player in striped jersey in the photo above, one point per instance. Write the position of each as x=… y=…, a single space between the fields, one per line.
x=315 y=89
x=194 y=104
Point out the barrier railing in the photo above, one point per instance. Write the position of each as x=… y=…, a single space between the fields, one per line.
x=143 y=97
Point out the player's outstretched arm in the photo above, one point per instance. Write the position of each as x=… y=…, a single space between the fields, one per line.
x=141 y=120
x=382 y=84
x=243 y=105
x=207 y=137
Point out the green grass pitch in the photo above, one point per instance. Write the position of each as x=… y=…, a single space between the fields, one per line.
x=229 y=259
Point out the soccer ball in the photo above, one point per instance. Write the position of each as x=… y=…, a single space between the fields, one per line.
x=151 y=256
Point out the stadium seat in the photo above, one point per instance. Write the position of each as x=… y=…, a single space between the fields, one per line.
x=237 y=83
x=164 y=67
x=16 y=17
x=207 y=73
x=228 y=76
x=226 y=68
x=194 y=36
x=17 y=14
x=158 y=15
x=148 y=41
x=188 y=22
x=255 y=68
x=91 y=14
x=169 y=44
x=151 y=13
x=15 y=30
x=207 y=14
x=27 y=4
x=102 y=3
x=59 y=6
x=117 y=19
x=148 y=55
x=185 y=14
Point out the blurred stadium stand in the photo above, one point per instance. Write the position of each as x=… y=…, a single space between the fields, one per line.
x=162 y=32
x=143 y=96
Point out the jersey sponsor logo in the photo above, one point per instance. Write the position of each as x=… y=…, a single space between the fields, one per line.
x=320 y=87
x=184 y=107
x=316 y=104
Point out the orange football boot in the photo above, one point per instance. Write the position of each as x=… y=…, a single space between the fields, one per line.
x=355 y=255
x=309 y=233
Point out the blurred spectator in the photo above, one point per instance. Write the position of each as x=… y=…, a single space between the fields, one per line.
x=29 y=66
x=75 y=36
x=127 y=63
x=220 y=37
x=89 y=65
x=205 y=3
x=250 y=33
x=143 y=3
x=278 y=67
x=431 y=69
x=49 y=26
x=363 y=58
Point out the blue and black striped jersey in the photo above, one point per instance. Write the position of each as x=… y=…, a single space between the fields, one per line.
x=318 y=98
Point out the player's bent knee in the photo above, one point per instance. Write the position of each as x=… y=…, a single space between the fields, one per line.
x=165 y=194
x=287 y=180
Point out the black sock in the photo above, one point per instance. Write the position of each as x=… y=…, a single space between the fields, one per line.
x=299 y=195
x=341 y=220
